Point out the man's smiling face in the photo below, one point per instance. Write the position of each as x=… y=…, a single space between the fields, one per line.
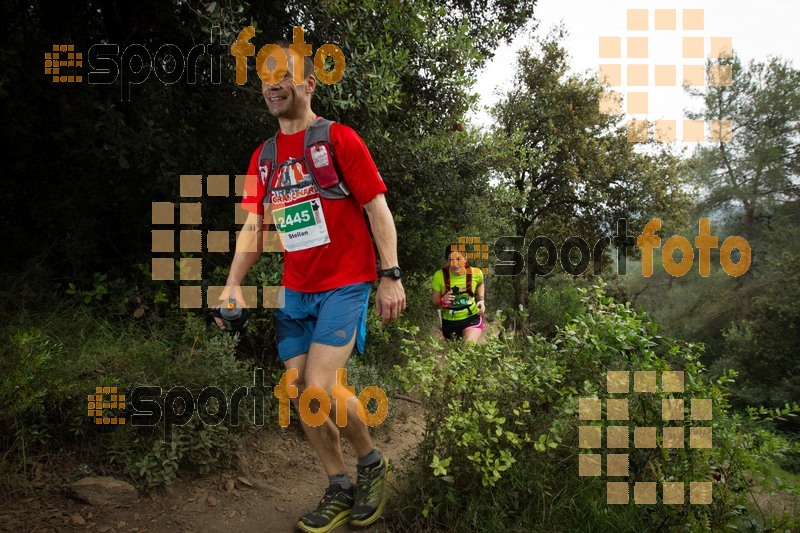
x=285 y=98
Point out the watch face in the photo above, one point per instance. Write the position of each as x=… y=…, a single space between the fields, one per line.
x=393 y=273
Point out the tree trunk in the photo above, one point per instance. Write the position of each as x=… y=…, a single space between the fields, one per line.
x=520 y=281
x=744 y=283
x=520 y=291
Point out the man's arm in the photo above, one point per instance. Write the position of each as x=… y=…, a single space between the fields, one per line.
x=390 y=299
x=249 y=245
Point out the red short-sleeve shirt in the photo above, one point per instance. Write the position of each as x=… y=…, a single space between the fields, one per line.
x=348 y=256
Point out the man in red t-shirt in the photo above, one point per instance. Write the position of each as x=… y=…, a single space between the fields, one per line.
x=329 y=268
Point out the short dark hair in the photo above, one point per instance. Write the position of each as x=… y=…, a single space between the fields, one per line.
x=452 y=247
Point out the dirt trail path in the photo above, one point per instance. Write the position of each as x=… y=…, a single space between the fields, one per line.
x=289 y=481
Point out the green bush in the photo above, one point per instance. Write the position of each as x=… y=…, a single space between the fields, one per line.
x=28 y=395
x=383 y=347
x=501 y=430
x=551 y=307
x=763 y=347
x=51 y=366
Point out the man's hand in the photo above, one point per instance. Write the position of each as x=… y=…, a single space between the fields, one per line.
x=230 y=292
x=390 y=299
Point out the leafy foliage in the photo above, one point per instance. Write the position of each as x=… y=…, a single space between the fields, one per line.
x=406 y=88
x=748 y=187
x=768 y=340
x=758 y=167
x=501 y=422
x=559 y=158
x=49 y=368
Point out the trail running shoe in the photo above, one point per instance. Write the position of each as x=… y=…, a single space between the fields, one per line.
x=371 y=493
x=333 y=510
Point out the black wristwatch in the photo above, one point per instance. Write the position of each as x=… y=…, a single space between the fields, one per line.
x=394 y=273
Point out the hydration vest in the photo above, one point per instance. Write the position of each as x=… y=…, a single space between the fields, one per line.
x=318 y=155
x=446 y=276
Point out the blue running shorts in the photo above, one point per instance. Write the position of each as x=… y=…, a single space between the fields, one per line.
x=331 y=317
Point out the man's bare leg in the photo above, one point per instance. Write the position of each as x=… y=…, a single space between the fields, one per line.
x=318 y=368
x=336 y=505
x=325 y=437
x=321 y=370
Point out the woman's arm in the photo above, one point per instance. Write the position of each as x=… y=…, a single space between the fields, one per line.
x=480 y=293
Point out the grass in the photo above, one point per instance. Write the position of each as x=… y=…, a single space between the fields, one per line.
x=781 y=505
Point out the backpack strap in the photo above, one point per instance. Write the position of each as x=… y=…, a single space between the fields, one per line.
x=319 y=157
x=446 y=277
x=266 y=160
x=320 y=160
